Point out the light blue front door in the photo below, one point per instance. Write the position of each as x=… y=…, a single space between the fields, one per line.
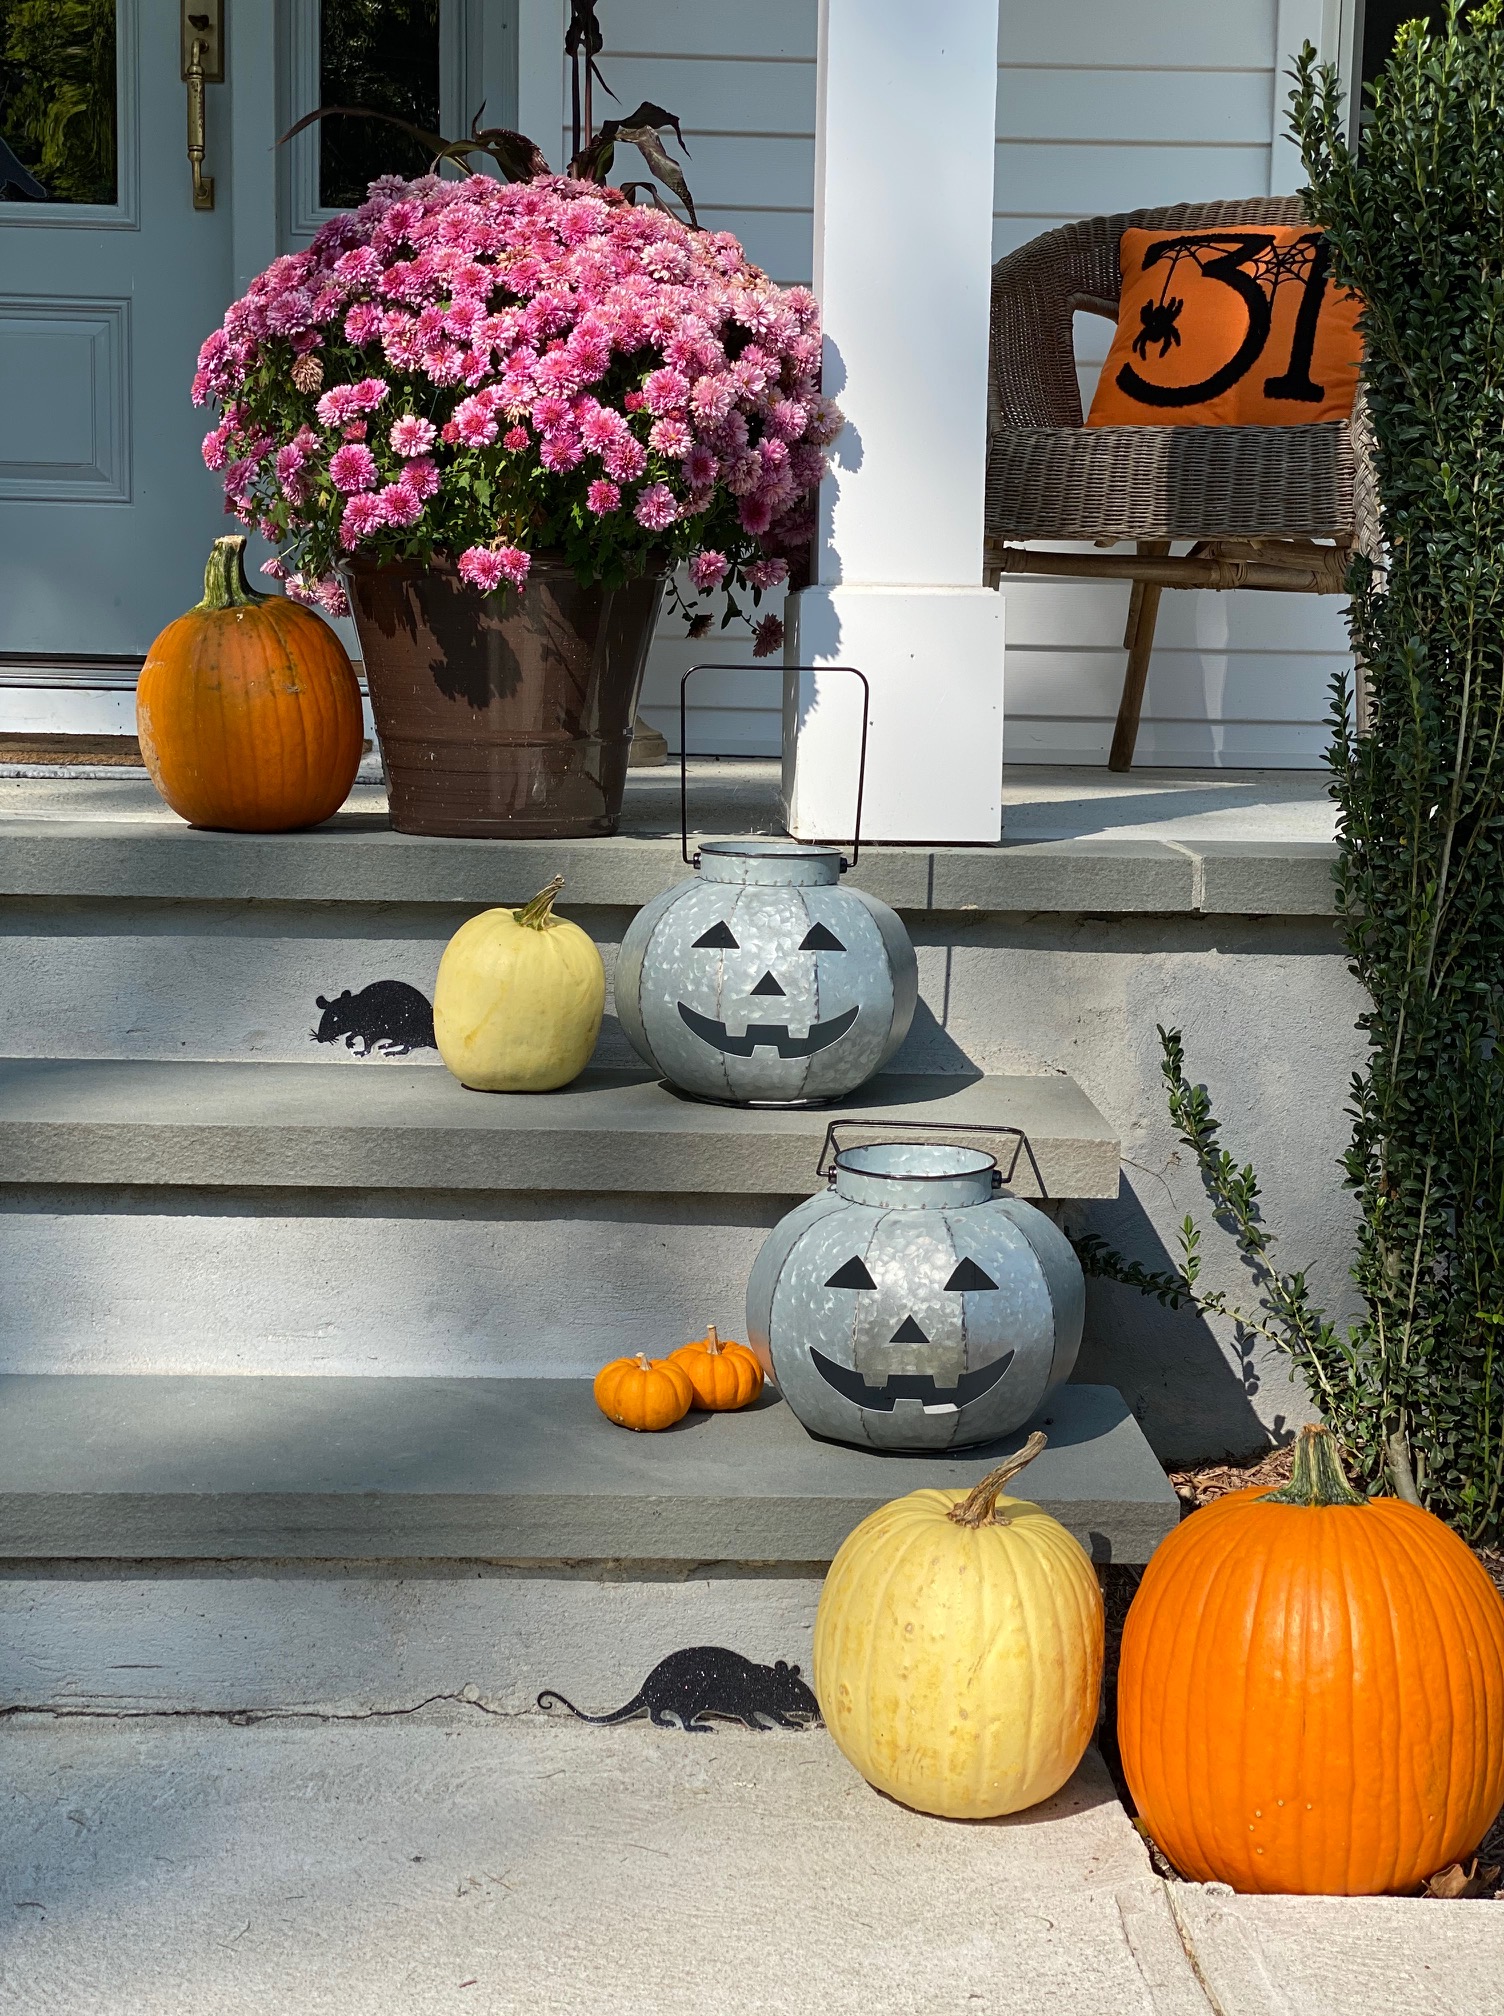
x=106 y=510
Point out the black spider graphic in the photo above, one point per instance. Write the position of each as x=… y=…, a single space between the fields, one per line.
x=1159 y=319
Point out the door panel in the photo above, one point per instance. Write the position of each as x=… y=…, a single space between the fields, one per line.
x=106 y=509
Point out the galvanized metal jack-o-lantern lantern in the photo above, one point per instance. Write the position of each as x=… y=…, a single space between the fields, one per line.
x=762 y=980
x=910 y=1306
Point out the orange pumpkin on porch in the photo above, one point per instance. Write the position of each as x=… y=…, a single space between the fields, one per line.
x=247 y=708
x=725 y=1376
x=1311 y=1691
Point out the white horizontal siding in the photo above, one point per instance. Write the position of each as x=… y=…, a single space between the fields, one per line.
x=1101 y=107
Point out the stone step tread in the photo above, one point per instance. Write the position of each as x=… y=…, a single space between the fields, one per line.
x=400 y=1127
x=197 y=1468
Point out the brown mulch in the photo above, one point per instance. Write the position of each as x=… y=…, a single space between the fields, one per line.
x=1199 y=1484
x=67 y=751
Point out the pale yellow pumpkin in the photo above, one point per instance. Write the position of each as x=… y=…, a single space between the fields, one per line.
x=519 y=998
x=958 y=1649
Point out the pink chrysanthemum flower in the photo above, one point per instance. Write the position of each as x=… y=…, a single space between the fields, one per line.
x=362 y=516
x=602 y=497
x=369 y=393
x=331 y=597
x=515 y=439
x=338 y=405
x=700 y=467
x=477 y=425
x=665 y=391
x=655 y=508
x=352 y=467
x=708 y=570
x=421 y=476
x=625 y=459
x=274 y=569
x=216 y=454
x=481 y=567
x=767 y=573
x=515 y=565
x=670 y=436
x=767 y=637
x=401 y=505
x=411 y=435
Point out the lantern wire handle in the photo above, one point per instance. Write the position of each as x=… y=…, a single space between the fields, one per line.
x=936 y=1130
x=725 y=665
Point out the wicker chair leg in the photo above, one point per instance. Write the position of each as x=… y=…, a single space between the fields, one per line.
x=1143 y=614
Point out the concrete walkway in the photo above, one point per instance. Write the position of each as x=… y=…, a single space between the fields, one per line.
x=450 y=1864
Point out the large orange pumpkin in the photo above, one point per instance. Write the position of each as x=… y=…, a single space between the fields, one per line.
x=247 y=708
x=1311 y=1693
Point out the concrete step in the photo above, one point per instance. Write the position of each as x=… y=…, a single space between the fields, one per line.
x=68 y=1121
x=131 y=935
x=255 y=1543
x=245 y=1218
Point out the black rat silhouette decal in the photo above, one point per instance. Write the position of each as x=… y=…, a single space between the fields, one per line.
x=386 y=1019
x=708 y=1680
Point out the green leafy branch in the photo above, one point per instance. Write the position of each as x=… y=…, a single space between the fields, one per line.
x=1286 y=1316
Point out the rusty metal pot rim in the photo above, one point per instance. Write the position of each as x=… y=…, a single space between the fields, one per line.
x=442 y=563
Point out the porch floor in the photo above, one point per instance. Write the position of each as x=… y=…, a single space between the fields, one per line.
x=448 y=1862
x=1041 y=802
x=1225 y=842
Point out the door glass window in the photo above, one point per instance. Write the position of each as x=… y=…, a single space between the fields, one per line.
x=57 y=101
x=382 y=55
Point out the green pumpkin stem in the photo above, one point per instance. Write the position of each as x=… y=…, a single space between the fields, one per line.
x=1319 y=1477
x=539 y=913
x=225 y=585
x=977 y=1508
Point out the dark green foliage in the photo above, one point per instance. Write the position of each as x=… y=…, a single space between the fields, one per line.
x=1415 y=220
x=57 y=94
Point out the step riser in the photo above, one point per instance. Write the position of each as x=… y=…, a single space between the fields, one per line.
x=104 y=1280
x=349 y=1639
x=1004 y=993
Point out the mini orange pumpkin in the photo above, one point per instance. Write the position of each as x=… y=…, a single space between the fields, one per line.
x=643 y=1393
x=724 y=1376
x=1311 y=1693
x=247 y=708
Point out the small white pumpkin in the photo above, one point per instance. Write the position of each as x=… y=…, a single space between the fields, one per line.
x=519 y=998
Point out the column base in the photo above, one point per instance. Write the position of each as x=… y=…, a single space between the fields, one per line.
x=933 y=658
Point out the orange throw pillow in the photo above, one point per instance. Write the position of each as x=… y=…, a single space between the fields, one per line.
x=1241 y=327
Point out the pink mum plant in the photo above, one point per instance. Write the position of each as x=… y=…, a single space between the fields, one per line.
x=496 y=372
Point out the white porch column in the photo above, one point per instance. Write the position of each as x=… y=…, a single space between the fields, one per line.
x=904 y=154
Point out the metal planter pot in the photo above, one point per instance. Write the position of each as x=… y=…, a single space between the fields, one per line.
x=502 y=716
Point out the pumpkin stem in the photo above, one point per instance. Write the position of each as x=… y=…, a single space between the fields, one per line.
x=977 y=1507
x=225 y=585
x=538 y=913
x=713 y=1343
x=1319 y=1478
x=642 y=1362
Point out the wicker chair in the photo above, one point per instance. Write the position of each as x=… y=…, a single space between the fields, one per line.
x=1263 y=507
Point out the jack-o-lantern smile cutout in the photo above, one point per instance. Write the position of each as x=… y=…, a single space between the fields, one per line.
x=763 y=980
x=911 y=1308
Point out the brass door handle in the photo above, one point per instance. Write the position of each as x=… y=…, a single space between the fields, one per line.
x=203 y=63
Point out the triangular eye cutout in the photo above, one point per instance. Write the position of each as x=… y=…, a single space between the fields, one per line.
x=968 y=1277
x=717 y=939
x=818 y=939
x=853 y=1275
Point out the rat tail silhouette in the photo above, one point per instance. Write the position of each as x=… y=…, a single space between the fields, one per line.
x=551 y=1695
